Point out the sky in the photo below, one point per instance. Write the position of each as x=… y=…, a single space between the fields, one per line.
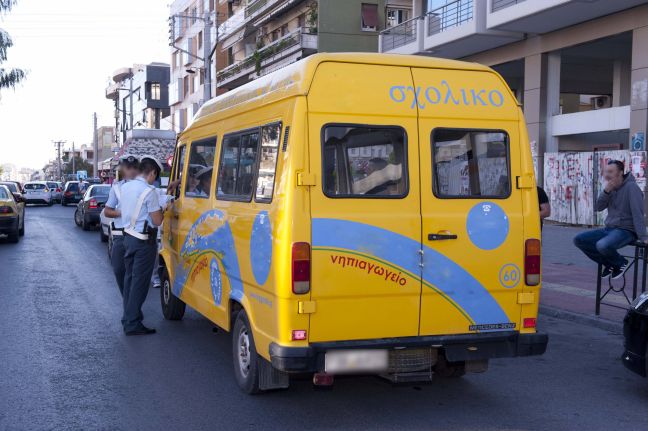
x=70 y=49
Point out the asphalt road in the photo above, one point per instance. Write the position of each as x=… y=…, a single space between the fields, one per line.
x=65 y=364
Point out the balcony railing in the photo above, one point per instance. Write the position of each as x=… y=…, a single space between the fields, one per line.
x=503 y=4
x=255 y=62
x=254 y=6
x=400 y=35
x=451 y=15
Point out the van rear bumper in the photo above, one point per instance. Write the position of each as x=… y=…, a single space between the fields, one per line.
x=465 y=347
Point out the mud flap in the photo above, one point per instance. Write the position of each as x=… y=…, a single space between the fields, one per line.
x=270 y=377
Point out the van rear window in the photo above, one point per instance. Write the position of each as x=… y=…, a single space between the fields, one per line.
x=470 y=163
x=364 y=161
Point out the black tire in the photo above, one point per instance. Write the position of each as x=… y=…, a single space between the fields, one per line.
x=172 y=307
x=103 y=236
x=77 y=217
x=21 y=229
x=449 y=370
x=110 y=246
x=50 y=203
x=63 y=203
x=14 y=236
x=244 y=355
x=85 y=224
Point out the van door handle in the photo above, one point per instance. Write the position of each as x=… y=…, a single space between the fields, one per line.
x=440 y=236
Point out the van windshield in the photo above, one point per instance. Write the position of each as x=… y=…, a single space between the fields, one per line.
x=470 y=163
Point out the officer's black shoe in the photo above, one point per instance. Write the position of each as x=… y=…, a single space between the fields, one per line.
x=141 y=331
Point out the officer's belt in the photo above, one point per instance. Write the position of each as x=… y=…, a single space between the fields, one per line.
x=115 y=231
x=135 y=234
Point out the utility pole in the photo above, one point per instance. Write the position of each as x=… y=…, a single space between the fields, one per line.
x=58 y=157
x=208 y=50
x=95 y=146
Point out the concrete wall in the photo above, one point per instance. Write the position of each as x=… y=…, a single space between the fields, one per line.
x=340 y=29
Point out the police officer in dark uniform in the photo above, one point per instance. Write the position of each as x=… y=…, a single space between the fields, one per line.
x=128 y=170
x=141 y=214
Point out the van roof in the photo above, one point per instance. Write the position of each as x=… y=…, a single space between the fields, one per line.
x=296 y=79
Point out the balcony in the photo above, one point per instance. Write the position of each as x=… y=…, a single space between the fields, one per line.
x=454 y=30
x=543 y=16
x=244 y=17
x=279 y=53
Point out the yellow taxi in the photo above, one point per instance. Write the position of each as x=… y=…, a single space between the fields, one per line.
x=12 y=215
x=358 y=214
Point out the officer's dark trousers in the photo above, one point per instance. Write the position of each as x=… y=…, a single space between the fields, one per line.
x=139 y=258
x=117 y=261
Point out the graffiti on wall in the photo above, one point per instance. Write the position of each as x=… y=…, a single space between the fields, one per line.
x=573 y=181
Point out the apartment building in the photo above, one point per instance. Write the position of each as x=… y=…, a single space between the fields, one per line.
x=141 y=97
x=578 y=67
x=261 y=36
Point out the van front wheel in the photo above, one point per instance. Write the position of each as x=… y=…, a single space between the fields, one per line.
x=172 y=307
x=245 y=356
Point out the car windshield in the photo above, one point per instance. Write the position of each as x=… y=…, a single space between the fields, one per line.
x=11 y=186
x=34 y=186
x=100 y=191
x=3 y=193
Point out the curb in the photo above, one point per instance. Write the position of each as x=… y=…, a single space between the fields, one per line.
x=583 y=319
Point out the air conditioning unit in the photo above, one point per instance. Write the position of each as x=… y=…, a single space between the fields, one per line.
x=601 y=102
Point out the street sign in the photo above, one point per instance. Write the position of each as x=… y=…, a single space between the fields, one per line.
x=82 y=175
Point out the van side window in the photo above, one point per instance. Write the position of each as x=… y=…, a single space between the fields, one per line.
x=201 y=167
x=270 y=135
x=238 y=166
x=470 y=163
x=364 y=161
x=178 y=166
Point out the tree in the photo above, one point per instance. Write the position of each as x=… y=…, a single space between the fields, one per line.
x=9 y=78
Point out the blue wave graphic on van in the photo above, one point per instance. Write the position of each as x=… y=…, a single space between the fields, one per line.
x=442 y=273
x=203 y=238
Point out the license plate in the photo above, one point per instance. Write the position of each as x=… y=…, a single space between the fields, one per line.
x=356 y=361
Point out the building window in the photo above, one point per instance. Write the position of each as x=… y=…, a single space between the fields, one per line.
x=155 y=91
x=397 y=16
x=186 y=86
x=199 y=40
x=369 y=14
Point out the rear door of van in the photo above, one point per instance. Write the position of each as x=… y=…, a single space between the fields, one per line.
x=365 y=205
x=472 y=224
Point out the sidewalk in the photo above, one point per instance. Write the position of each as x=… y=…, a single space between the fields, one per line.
x=569 y=278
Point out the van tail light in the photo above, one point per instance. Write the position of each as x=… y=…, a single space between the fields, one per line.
x=6 y=210
x=532 y=251
x=301 y=267
x=92 y=203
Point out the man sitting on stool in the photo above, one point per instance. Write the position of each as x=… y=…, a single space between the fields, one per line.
x=624 y=224
x=141 y=214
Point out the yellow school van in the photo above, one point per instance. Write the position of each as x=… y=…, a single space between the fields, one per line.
x=358 y=214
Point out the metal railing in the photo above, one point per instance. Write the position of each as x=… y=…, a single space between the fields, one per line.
x=294 y=38
x=400 y=35
x=254 y=7
x=503 y=4
x=451 y=15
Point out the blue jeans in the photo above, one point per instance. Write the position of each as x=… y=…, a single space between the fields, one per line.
x=601 y=245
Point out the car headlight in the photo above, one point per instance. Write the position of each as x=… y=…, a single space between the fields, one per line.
x=641 y=303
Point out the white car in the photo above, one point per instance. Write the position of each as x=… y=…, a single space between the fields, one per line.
x=56 y=190
x=37 y=192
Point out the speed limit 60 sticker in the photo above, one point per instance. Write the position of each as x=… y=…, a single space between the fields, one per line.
x=509 y=275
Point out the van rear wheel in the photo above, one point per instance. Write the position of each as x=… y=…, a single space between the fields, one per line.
x=172 y=307
x=245 y=357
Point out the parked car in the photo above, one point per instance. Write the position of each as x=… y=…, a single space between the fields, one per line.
x=12 y=215
x=71 y=193
x=91 y=205
x=37 y=192
x=14 y=187
x=55 y=190
x=635 y=332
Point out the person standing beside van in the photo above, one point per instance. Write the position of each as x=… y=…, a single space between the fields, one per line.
x=545 y=208
x=128 y=170
x=141 y=214
x=624 y=224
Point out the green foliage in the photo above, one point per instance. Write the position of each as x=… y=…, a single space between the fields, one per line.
x=79 y=165
x=9 y=78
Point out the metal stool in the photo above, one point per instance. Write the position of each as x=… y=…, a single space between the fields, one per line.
x=640 y=258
